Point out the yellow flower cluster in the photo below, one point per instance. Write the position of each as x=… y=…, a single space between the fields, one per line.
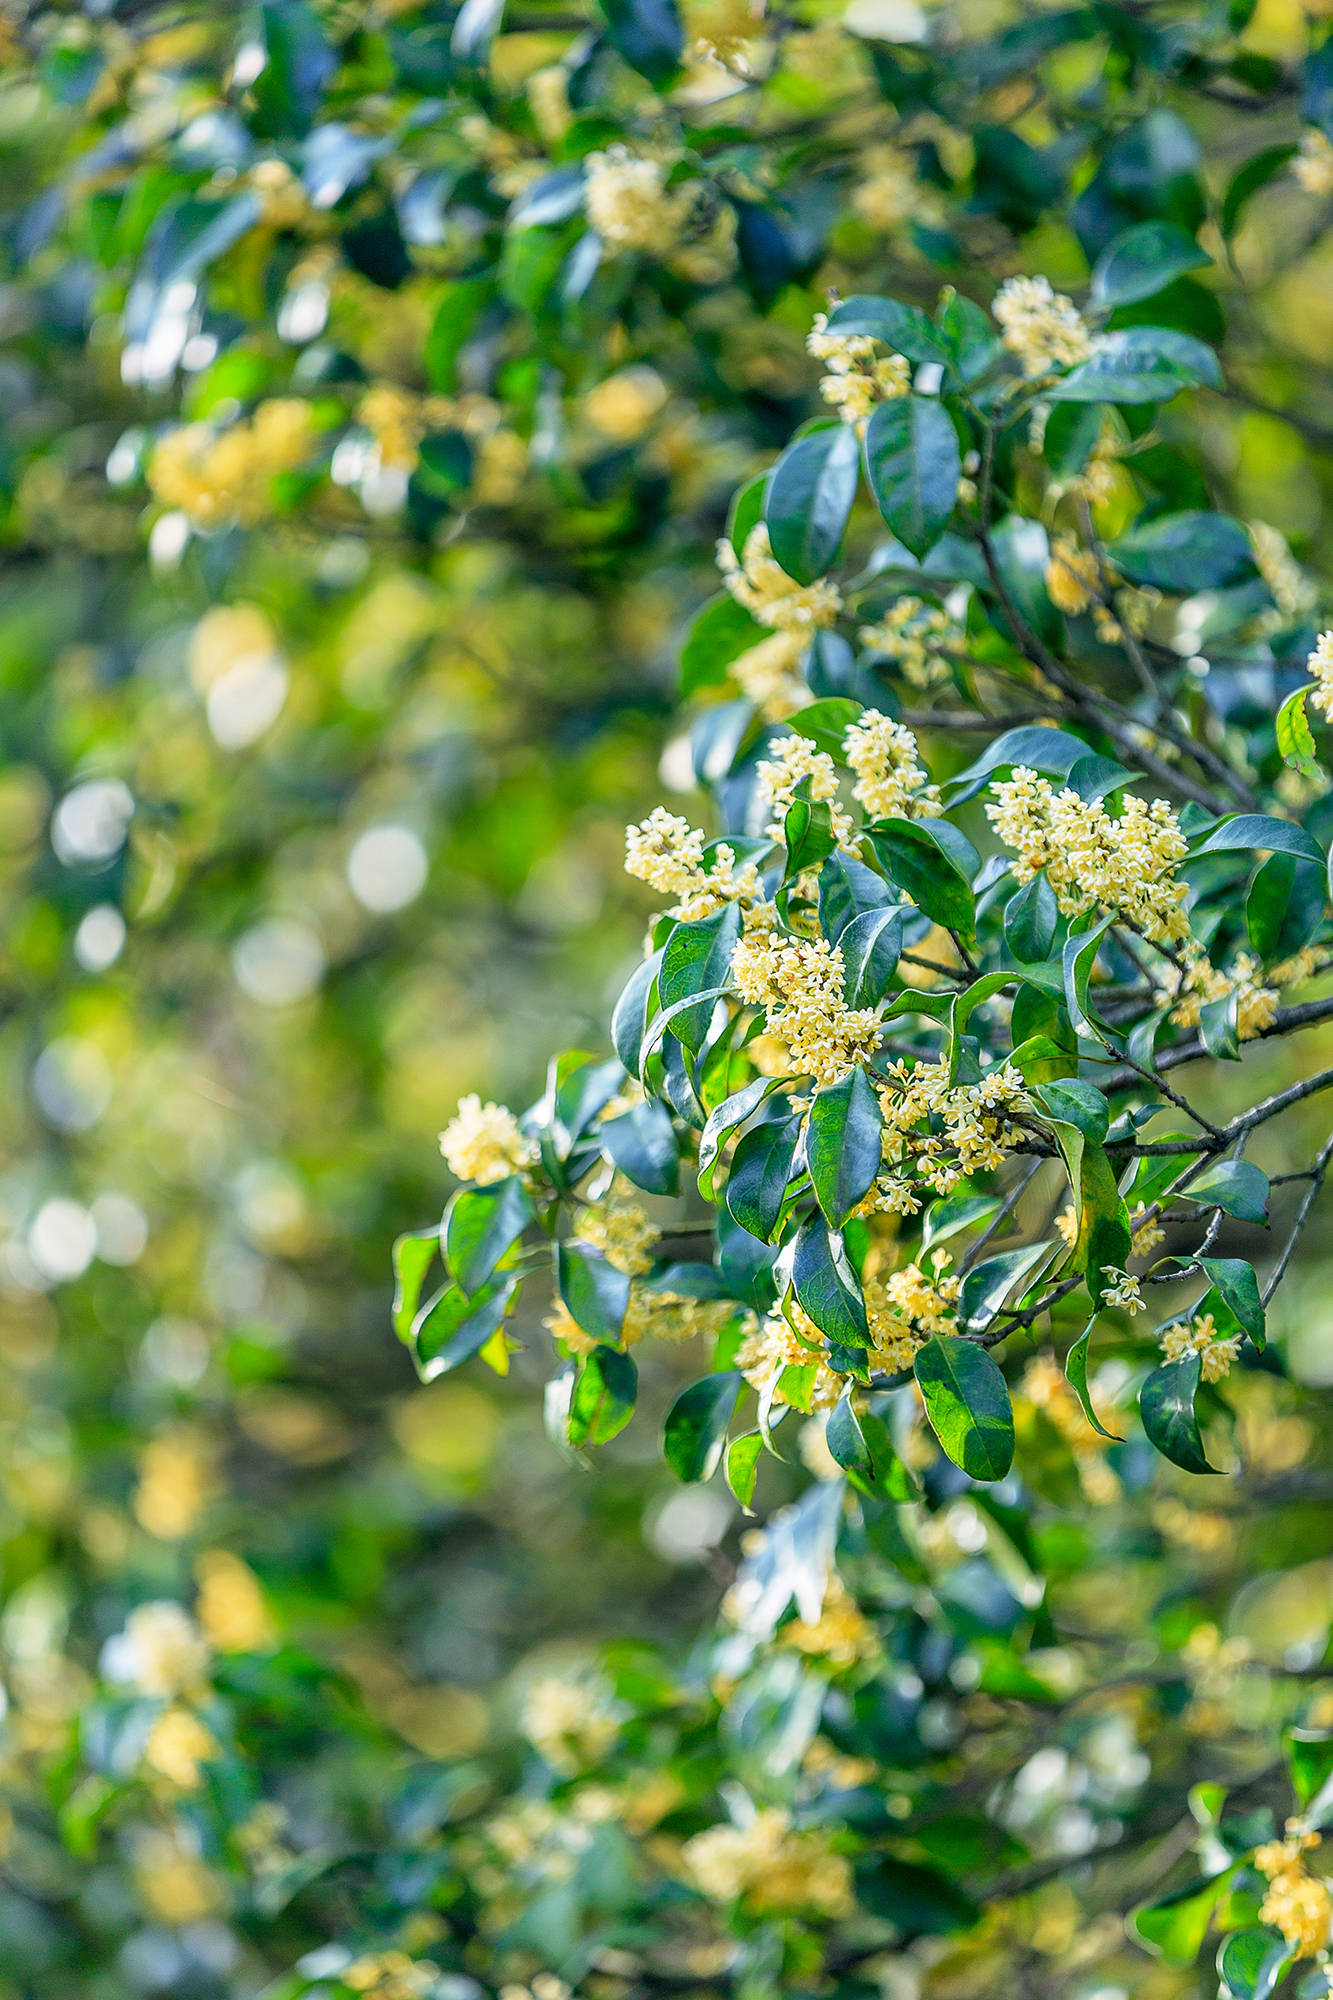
x=624 y=405
x=177 y=1747
x=917 y=637
x=283 y=201
x=887 y=195
x=777 y=1344
x=618 y=1226
x=906 y=1308
x=767 y=674
x=1200 y=1336
x=391 y=1975
x=231 y=1608
x=1297 y=1903
x=1313 y=165
x=890 y=783
x=628 y=203
x=482 y=1143
x=162 y=1651
x=570 y=1719
x=1126 y=865
x=857 y=378
x=842 y=1634
x=1041 y=326
x=1319 y=666
x=1123 y=1291
x=798 y=981
x=1294 y=594
x=650 y=1315
x=791 y=763
x=722 y=29
x=1073 y=577
x=759 y=583
x=1202 y=983
x=176 y=1479
x=221 y=477
x=968 y=1128
x=667 y=853
x=770 y=1866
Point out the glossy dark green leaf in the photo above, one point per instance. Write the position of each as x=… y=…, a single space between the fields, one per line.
x=807 y=831
x=848 y=890
x=648 y=34
x=1261 y=830
x=1184 y=552
x=603 y=1398
x=844 y=1144
x=913 y=858
x=913 y=465
x=1076 y=1374
x=1080 y=956
x=905 y=329
x=696 y=1425
x=871 y=946
x=1237 y=1187
x=1076 y=1103
x=630 y=1018
x=1142 y=260
x=742 y=1465
x=451 y=1328
x=988 y=1284
x=642 y=1143
x=968 y=1405
x=825 y=723
x=1030 y=920
x=696 y=958
x=761 y=1169
x=721 y=630
x=1166 y=1405
x=825 y=1285
x=594 y=1292
x=809 y=499
x=1238 y=1286
x=729 y=1116
x=480 y=1225
x=1253 y=1963
x=1141 y=364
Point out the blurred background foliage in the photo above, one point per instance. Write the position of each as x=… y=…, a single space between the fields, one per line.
x=355 y=495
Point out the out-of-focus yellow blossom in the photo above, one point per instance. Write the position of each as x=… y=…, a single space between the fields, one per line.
x=1293 y=591
x=623 y=406
x=721 y=29
x=1073 y=576
x=1200 y=1336
x=857 y=377
x=178 y=1747
x=482 y=1142
x=650 y=1315
x=176 y=1887
x=217 y=478
x=759 y=583
x=771 y=1866
x=162 y=1651
x=1313 y=164
x=917 y=637
x=570 y=1719
x=888 y=192
x=627 y=201
x=618 y=1226
x=1124 y=865
x=841 y=1634
x=176 y=1479
x=767 y=674
x=775 y=1345
x=230 y=1607
x=391 y=1975
x=283 y=201
x=1041 y=326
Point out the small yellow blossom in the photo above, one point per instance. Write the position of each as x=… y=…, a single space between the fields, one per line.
x=231 y=1608
x=917 y=637
x=1123 y=1291
x=161 y=1651
x=178 y=1746
x=667 y=853
x=220 y=477
x=628 y=203
x=482 y=1143
x=1202 y=983
x=759 y=583
x=767 y=674
x=798 y=981
x=1313 y=164
x=1200 y=1336
x=1320 y=668
x=777 y=1344
x=888 y=192
x=624 y=405
x=1073 y=576
x=890 y=783
x=771 y=1866
x=1041 y=326
x=792 y=762
x=618 y=1226
x=842 y=1634
x=1124 y=865
x=571 y=1719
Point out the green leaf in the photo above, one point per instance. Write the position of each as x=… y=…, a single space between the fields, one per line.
x=594 y=1292
x=1076 y=1374
x=761 y=1170
x=848 y=889
x=629 y=1021
x=1140 y=364
x=696 y=958
x=1032 y=745
x=1166 y=1405
x=953 y=1213
x=1309 y=1760
x=968 y=1405
x=742 y=1466
x=844 y=1144
x=1268 y=900
x=1238 y=1287
x=1252 y=1963
x=1184 y=552
x=905 y=329
x=697 y=1424
x=913 y=465
x=846 y=1440
x=641 y=1142
x=988 y=1284
x=721 y=632
x=602 y=1403
x=1080 y=956
x=1176 y=1927
x=647 y=33
x=1030 y=919
x=1258 y=171
x=860 y=1445
x=809 y=498
x=1237 y=1187
x=1295 y=739
x=825 y=723
x=807 y=830
x=1079 y=1104
x=1143 y=260
x=919 y=864
x=451 y=1328
x=728 y=1117
x=480 y=1225
x=826 y=1287
x=412 y=1256
x=1261 y=830
x=456 y=316
x=871 y=946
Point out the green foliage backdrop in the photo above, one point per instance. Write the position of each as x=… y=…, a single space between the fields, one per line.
x=378 y=381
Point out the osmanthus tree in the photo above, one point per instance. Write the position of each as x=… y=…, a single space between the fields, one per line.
x=375 y=381
x=918 y=1095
